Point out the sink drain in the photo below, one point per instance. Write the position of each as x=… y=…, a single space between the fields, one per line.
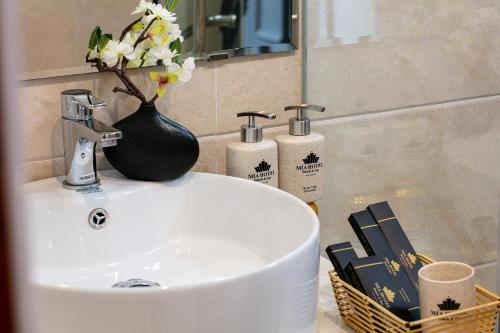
x=136 y=283
x=98 y=218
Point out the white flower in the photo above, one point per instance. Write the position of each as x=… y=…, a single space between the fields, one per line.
x=130 y=38
x=163 y=53
x=161 y=12
x=162 y=32
x=146 y=19
x=114 y=51
x=140 y=51
x=185 y=73
x=189 y=64
x=175 y=32
x=158 y=11
x=143 y=7
x=93 y=54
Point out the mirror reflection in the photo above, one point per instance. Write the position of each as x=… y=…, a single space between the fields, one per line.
x=213 y=29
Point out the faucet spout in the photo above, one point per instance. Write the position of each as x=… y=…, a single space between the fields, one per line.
x=96 y=131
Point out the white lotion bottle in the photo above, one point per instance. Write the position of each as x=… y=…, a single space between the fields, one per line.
x=302 y=157
x=254 y=158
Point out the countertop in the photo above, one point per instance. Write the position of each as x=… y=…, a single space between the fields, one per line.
x=329 y=320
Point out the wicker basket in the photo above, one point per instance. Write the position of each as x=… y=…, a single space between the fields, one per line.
x=364 y=315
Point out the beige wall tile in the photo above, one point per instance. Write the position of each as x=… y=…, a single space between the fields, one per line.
x=486 y=276
x=413 y=53
x=261 y=83
x=196 y=104
x=208 y=161
x=192 y=104
x=41 y=169
x=41 y=105
x=38 y=170
x=436 y=167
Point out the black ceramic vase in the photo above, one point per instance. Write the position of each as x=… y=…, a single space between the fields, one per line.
x=153 y=147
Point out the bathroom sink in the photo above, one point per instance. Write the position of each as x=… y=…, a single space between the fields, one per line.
x=208 y=253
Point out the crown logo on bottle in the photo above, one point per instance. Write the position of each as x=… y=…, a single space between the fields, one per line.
x=449 y=305
x=263 y=166
x=389 y=294
x=395 y=265
x=311 y=158
x=412 y=258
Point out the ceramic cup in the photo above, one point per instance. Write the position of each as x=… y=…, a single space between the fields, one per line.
x=445 y=287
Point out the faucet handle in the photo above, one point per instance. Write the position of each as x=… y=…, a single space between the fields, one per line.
x=78 y=104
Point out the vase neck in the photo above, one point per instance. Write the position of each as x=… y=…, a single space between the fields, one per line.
x=147 y=107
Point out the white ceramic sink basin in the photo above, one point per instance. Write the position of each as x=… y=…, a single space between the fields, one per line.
x=230 y=256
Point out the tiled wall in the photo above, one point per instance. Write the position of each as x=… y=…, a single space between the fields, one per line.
x=412 y=90
x=207 y=105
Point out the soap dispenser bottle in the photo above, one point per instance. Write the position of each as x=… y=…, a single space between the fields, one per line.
x=254 y=158
x=302 y=157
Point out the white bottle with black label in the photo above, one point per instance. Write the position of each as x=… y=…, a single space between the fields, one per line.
x=302 y=157
x=254 y=158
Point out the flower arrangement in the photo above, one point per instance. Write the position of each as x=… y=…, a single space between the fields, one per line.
x=152 y=39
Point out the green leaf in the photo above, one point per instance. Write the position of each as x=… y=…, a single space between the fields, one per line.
x=104 y=40
x=94 y=37
x=170 y=5
x=176 y=45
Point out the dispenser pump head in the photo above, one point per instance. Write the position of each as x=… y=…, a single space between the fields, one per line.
x=252 y=133
x=301 y=125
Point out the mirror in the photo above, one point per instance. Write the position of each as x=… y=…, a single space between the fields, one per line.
x=56 y=32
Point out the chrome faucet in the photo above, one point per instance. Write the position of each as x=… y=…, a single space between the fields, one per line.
x=81 y=133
